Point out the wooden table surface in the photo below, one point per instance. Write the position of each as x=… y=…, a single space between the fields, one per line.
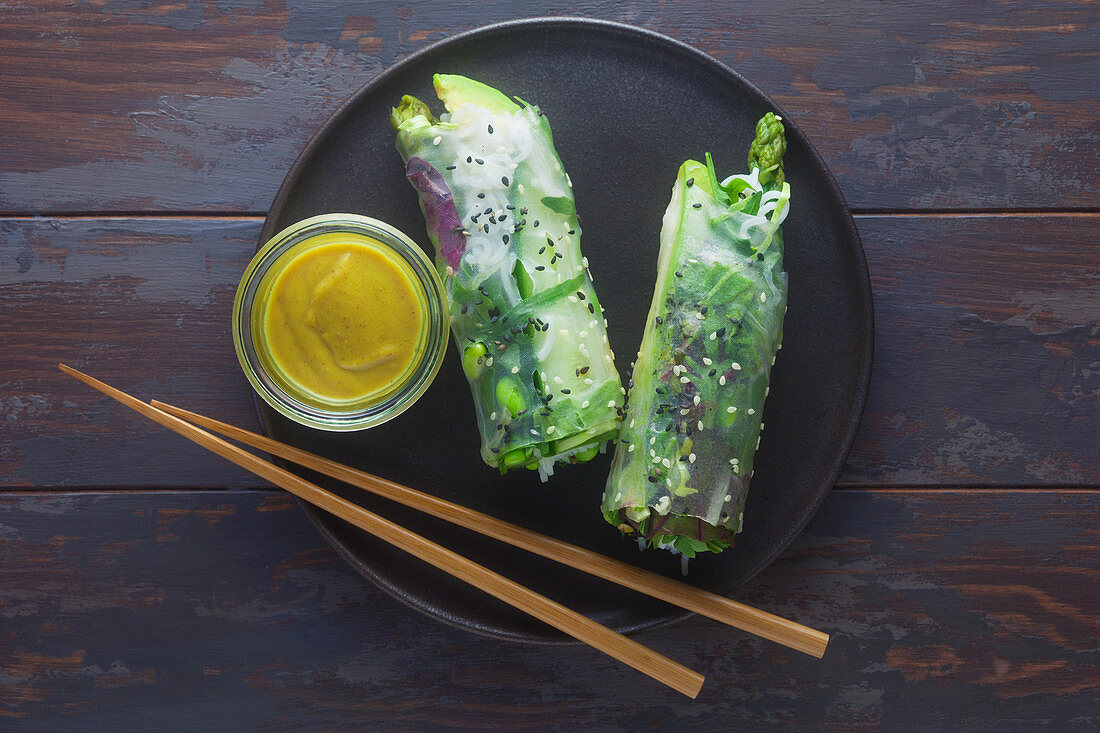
x=146 y=585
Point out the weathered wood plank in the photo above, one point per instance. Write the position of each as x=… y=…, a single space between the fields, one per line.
x=225 y=611
x=987 y=343
x=203 y=106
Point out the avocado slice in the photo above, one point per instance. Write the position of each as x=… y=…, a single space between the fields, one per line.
x=455 y=91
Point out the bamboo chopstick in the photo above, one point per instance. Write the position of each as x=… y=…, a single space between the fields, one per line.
x=626 y=650
x=712 y=605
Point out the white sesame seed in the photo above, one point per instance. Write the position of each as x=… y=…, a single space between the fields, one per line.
x=630 y=448
x=693 y=261
x=713 y=335
x=733 y=461
x=722 y=379
x=515 y=370
x=697 y=399
x=668 y=483
x=666 y=463
x=758 y=442
x=492 y=416
x=631 y=422
x=622 y=391
x=691 y=458
x=763 y=297
x=534 y=432
x=731 y=410
x=557 y=380
x=684 y=410
x=752 y=411
x=656 y=459
x=611 y=403
x=699 y=425
x=489 y=362
x=580 y=347
x=573 y=299
x=520 y=188
x=438 y=139
x=761 y=427
x=728 y=497
x=767 y=390
x=584 y=404
x=585 y=354
x=652 y=439
x=563 y=331
x=584 y=260
x=707 y=361
x=684 y=380
x=588 y=381
x=584 y=334
x=619 y=496
x=550 y=429
x=652 y=453
x=736 y=366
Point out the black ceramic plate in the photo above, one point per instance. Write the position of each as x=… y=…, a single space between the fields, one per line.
x=627 y=106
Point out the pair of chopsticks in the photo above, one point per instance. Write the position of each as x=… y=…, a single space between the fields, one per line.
x=628 y=651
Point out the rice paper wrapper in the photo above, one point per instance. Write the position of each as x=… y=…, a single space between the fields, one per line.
x=693 y=422
x=500 y=212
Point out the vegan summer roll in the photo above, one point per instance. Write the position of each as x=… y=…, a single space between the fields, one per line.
x=525 y=318
x=682 y=466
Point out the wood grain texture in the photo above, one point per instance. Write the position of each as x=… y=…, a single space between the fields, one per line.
x=982 y=105
x=224 y=611
x=987 y=349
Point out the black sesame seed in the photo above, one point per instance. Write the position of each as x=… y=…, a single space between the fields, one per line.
x=696 y=206
x=479 y=161
x=580 y=295
x=504 y=180
x=451 y=167
x=565 y=391
x=488 y=210
x=591 y=309
x=760 y=256
x=572 y=231
x=679 y=274
x=690 y=182
x=540 y=268
x=703 y=310
x=505 y=238
x=481 y=195
x=549 y=242
x=465 y=309
x=720 y=332
x=536 y=223
x=652 y=479
x=542 y=249
x=510 y=207
x=469 y=159
x=584 y=370
x=712 y=372
x=490 y=129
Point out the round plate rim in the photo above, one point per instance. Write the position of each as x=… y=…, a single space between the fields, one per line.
x=863 y=282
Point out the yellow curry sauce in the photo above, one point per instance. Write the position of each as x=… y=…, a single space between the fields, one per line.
x=343 y=319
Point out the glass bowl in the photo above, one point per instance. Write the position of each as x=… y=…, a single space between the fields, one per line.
x=309 y=407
